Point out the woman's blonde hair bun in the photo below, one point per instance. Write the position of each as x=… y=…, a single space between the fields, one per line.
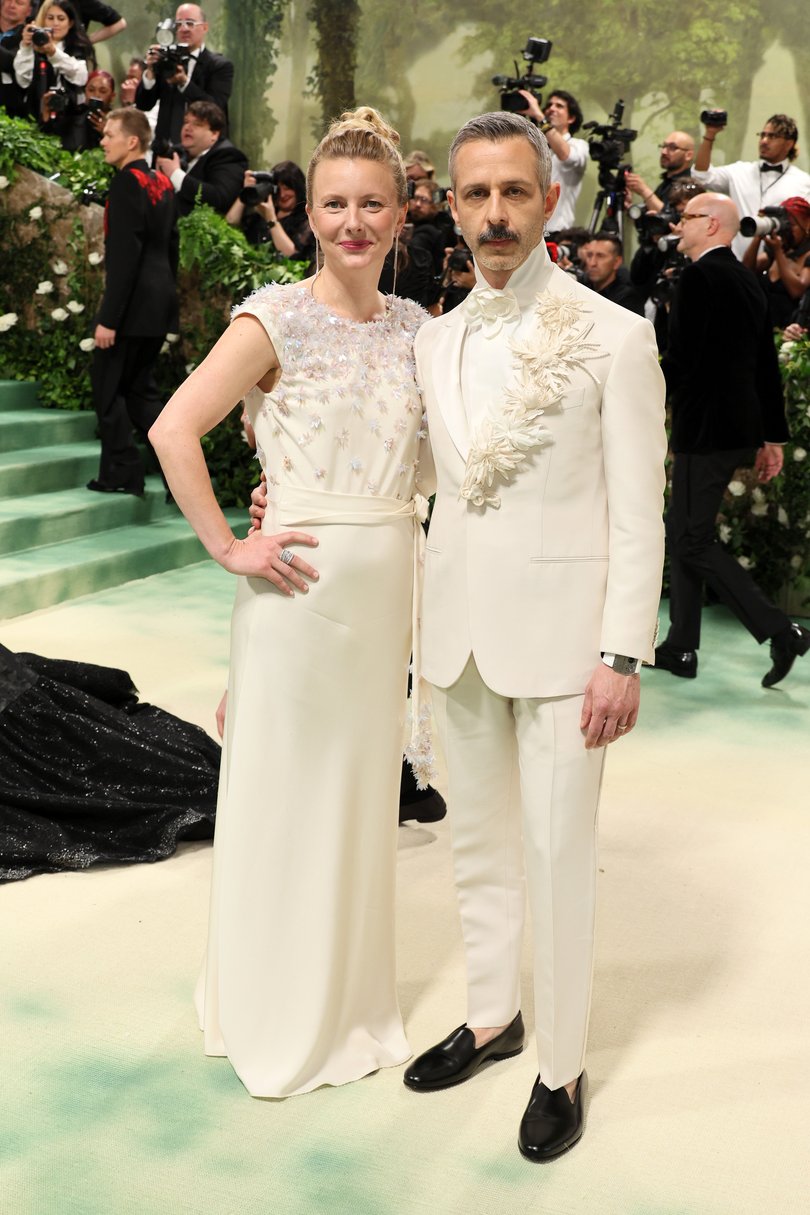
x=364 y=118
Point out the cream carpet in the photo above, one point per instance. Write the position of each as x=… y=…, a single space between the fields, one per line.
x=698 y=1056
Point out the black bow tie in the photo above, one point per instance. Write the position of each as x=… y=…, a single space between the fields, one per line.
x=766 y=168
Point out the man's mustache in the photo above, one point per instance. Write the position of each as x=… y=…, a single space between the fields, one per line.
x=497 y=232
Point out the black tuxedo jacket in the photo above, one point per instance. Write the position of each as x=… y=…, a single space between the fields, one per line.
x=217 y=177
x=211 y=80
x=140 y=297
x=721 y=367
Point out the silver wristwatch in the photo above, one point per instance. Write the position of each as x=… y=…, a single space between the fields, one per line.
x=621 y=664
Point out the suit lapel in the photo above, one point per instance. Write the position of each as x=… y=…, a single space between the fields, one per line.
x=446 y=370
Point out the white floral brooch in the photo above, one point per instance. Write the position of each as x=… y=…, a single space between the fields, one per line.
x=543 y=366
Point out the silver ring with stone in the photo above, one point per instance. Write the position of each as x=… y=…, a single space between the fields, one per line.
x=286 y=555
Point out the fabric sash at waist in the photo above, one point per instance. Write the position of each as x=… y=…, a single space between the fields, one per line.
x=306 y=508
x=302 y=507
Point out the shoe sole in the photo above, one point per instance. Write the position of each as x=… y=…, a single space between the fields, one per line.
x=437 y=1088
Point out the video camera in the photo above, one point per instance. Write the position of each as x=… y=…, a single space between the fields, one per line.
x=608 y=142
x=537 y=50
x=266 y=187
x=171 y=54
x=774 y=221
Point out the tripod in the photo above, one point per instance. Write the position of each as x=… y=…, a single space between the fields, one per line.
x=610 y=200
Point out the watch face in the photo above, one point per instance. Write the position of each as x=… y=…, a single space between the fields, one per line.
x=624 y=665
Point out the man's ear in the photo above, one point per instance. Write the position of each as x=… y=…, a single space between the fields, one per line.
x=552 y=198
x=451 y=202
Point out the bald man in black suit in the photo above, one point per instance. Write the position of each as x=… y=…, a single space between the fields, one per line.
x=728 y=410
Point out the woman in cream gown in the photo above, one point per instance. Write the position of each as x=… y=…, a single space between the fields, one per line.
x=299 y=984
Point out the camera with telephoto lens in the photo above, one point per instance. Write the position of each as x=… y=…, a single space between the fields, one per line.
x=651 y=225
x=266 y=187
x=774 y=221
x=537 y=50
x=170 y=54
x=39 y=36
x=714 y=118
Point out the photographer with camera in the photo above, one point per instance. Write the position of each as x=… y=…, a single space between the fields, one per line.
x=432 y=226
x=181 y=71
x=656 y=264
x=52 y=66
x=677 y=154
x=99 y=93
x=14 y=16
x=214 y=169
x=559 y=121
x=758 y=183
x=784 y=263
x=272 y=207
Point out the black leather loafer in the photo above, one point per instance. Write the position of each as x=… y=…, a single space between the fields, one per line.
x=100 y=487
x=430 y=809
x=552 y=1122
x=457 y=1058
x=678 y=662
x=786 y=647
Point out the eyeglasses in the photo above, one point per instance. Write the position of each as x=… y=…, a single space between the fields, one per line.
x=188 y=24
x=672 y=147
x=693 y=215
x=770 y=135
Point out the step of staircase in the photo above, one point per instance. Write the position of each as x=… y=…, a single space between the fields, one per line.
x=42 y=577
x=20 y=428
x=18 y=394
x=46 y=469
x=59 y=540
x=62 y=515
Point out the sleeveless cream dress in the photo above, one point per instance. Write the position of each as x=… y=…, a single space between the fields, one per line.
x=299 y=984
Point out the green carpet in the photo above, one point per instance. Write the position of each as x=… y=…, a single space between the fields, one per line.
x=698 y=1047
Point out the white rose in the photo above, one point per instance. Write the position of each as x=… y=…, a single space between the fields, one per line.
x=7 y=321
x=190 y=367
x=725 y=533
x=60 y=268
x=3 y=183
x=759 y=509
x=164 y=348
x=745 y=562
x=44 y=288
x=87 y=344
x=95 y=259
x=782 y=516
x=35 y=213
x=75 y=307
x=799 y=454
x=736 y=488
x=172 y=338
x=796 y=561
x=59 y=314
x=756 y=493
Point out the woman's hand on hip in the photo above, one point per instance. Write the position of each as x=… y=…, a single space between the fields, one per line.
x=270 y=557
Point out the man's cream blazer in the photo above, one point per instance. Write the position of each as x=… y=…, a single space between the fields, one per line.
x=570 y=564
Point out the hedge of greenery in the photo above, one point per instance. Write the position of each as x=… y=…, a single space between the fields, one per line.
x=54 y=279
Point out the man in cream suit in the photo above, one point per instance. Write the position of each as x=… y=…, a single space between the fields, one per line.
x=545 y=406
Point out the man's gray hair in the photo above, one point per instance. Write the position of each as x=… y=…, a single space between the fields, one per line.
x=495 y=128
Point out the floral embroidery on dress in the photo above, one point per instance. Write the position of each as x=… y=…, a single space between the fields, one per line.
x=544 y=363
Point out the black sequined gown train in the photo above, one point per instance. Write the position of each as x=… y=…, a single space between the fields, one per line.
x=90 y=775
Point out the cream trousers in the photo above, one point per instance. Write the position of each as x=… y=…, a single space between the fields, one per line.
x=523 y=799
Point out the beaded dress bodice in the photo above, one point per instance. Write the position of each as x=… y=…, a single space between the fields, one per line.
x=345 y=415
